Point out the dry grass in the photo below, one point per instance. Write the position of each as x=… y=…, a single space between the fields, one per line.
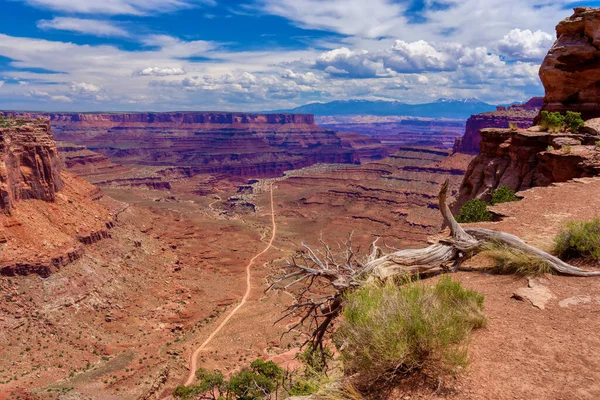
x=509 y=261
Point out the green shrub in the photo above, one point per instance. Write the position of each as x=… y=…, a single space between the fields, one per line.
x=550 y=148
x=566 y=149
x=390 y=330
x=579 y=239
x=573 y=121
x=597 y=143
x=556 y=122
x=474 y=210
x=213 y=382
x=512 y=261
x=503 y=194
x=248 y=385
x=513 y=126
x=185 y=392
x=552 y=121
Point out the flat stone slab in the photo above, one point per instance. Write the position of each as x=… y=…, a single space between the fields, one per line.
x=535 y=292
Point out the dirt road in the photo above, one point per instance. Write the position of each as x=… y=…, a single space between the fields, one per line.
x=194 y=358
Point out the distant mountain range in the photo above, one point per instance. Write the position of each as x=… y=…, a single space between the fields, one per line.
x=441 y=108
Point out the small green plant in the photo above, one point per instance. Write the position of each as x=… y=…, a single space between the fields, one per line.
x=504 y=194
x=566 y=149
x=474 y=210
x=513 y=126
x=391 y=330
x=556 y=122
x=579 y=239
x=509 y=261
x=573 y=121
x=550 y=148
x=552 y=121
x=597 y=143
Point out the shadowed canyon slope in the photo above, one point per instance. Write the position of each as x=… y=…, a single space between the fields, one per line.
x=244 y=145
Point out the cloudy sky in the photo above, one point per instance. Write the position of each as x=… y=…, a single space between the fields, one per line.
x=252 y=55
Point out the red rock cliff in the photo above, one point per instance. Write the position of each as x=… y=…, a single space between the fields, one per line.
x=527 y=158
x=29 y=163
x=521 y=114
x=571 y=70
x=249 y=145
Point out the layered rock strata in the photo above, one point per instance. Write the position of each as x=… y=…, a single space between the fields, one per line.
x=521 y=115
x=571 y=70
x=526 y=158
x=246 y=145
x=29 y=163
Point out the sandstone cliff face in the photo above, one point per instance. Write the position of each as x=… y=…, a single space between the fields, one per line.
x=246 y=145
x=571 y=70
x=29 y=163
x=526 y=158
x=521 y=114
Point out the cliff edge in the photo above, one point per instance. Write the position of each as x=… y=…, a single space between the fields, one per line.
x=29 y=163
x=571 y=70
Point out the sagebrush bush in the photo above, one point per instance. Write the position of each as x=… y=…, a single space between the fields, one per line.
x=579 y=239
x=573 y=121
x=503 y=194
x=474 y=210
x=556 y=122
x=508 y=260
x=391 y=330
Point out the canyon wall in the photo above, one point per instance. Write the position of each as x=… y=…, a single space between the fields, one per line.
x=526 y=158
x=398 y=132
x=236 y=144
x=29 y=163
x=571 y=70
x=521 y=115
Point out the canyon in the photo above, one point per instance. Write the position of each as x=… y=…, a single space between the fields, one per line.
x=521 y=115
x=111 y=283
x=235 y=144
x=396 y=132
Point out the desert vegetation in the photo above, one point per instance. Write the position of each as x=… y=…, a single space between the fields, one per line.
x=509 y=261
x=579 y=239
x=390 y=330
x=556 y=122
x=256 y=382
x=475 y=210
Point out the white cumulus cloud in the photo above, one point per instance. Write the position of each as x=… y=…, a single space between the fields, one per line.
x=160 y=71
x=525 y=45
x=352 y=63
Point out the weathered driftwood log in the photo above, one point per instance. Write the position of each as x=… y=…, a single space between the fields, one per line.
x=325 y=276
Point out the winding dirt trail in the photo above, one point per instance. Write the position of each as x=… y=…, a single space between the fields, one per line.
x=194 y=358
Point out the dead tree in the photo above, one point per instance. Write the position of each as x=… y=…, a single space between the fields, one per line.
x=323 y=276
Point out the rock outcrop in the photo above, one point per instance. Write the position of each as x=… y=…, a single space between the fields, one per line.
x=521 y=115
x=29 y=163
x=246 y=145
x=526 y=158
x=571 y=70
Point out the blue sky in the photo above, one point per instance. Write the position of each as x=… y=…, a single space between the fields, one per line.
x=269 y=54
